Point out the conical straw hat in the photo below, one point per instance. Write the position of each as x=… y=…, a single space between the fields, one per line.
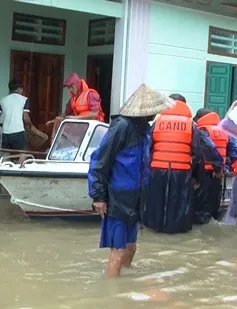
x=146 y=102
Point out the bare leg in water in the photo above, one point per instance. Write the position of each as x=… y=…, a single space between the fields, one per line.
x=120 y=258
x=129 y=255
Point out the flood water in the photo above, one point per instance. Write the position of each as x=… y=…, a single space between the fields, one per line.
x=58 y=265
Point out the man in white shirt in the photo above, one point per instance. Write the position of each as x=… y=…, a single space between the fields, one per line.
x=15 y=112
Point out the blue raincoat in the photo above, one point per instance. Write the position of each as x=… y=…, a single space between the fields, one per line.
x=118 y=169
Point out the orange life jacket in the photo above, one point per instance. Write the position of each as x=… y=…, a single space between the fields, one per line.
x=217 y=135
x=172 y=137
x=80 y=104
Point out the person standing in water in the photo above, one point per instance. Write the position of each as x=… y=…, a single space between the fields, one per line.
x=231 y=214
x=197 y=165
x=215 y=146
x=117 y=175
x=175 y=150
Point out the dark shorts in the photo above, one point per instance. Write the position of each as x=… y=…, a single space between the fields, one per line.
x=116 y=234
x=14 y=141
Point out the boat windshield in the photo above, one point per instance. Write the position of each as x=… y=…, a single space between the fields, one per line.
x=95 y=140
x=68 y=141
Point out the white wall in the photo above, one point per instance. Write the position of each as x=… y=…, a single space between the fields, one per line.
x=178 y=50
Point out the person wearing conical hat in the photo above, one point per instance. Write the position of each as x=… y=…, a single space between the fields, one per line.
x=216 y=146
x=175 y=162
x=118 y=172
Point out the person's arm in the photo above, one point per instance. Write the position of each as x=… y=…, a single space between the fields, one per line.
x=26 y=114
x=94 y=105
x=102 y=160
x=198 y=163
x=210 y=152
x=63 y=115
x=68 y=111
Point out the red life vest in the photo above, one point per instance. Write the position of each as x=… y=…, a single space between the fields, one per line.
x=172 y=137
x=218 y=136
x=80 y=104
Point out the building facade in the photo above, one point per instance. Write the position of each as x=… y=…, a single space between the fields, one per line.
x=181 y=46
x=193 y=51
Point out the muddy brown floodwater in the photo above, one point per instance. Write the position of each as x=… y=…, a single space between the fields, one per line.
x=58 y=265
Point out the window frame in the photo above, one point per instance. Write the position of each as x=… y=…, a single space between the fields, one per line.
x=90 y=25
x=79 y=147
x=90 y=139
x=220 y=53
x=18 y=37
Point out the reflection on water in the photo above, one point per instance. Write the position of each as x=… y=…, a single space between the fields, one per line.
x=57 y=265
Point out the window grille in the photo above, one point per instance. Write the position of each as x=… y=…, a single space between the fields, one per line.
x=38 y=29
x=222 y=42
x=101 y=32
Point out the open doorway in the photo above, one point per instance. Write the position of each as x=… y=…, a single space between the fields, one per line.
x=42 y=76
x=99 y=77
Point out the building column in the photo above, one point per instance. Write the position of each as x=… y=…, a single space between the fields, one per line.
x=130 y=51
x=137 y=47
x=119 y=60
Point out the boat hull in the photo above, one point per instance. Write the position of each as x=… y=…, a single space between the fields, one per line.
x=56 y=191
x=49 y=197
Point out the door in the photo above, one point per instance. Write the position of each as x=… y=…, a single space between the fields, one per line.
x=91 y=75
x=42 y=75
x=105 y=69
x=99 y=77
x=218 y=89
x=24 y=68
x=49 y=89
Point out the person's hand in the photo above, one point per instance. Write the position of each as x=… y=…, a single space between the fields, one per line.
x=196 y=185
x=101 y=208
x=49 y=122
x=29 y=126
x=217 y=175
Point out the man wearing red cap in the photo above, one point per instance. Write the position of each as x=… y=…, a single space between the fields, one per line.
x=84 y=103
